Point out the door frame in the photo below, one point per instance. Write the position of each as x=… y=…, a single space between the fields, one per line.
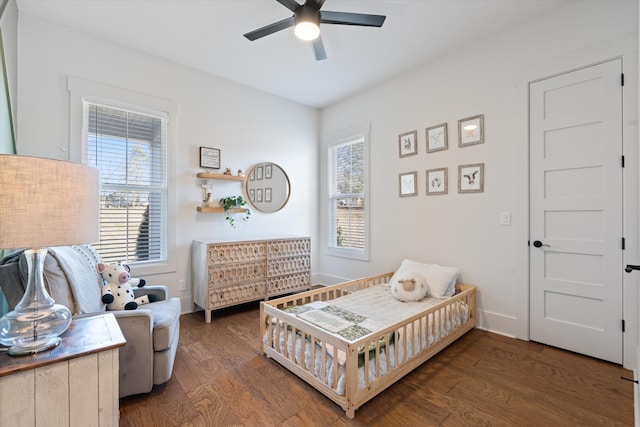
x=625 y=48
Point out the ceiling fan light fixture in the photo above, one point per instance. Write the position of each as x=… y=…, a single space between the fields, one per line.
x=307 y=23
x=307 y=30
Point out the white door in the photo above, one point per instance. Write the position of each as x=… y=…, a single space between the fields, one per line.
x=576 y=211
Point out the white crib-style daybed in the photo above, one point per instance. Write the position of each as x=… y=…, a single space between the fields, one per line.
x=362 y=327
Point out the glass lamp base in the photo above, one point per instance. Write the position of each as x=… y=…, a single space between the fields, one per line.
x=37 y=321
x=31 y=347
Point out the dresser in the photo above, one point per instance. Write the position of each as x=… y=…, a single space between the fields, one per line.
x=226 y=273
x=74 y=384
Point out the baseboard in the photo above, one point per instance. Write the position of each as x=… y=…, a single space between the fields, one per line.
x=186 y=305
x=497 y=323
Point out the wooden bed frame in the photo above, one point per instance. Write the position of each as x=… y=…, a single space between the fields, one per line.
x=275 y=322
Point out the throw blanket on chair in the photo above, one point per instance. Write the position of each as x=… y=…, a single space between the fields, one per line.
x=79 y=265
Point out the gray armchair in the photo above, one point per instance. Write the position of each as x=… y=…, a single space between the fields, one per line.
x=152 y=330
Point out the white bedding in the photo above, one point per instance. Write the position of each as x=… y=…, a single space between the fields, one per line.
x=367 y=312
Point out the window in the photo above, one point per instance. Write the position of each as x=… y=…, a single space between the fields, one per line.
x=129 y=147
x=347 y=197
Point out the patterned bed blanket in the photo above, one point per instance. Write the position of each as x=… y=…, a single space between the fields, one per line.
x=360 y=314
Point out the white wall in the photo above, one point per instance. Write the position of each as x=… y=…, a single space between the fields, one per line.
x=487 y=78
x=247 y=125
x=9 y=29
x=250 y=126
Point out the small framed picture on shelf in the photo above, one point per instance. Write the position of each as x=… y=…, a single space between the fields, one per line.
x=259 y=195
x=209 y=158
x=437 y=138
x=267 y=171
x=408 y=143
x=471 y=178
x=252 y=195
x=267 y=195
x=259 y=173
x=471 y=130
x=437 y=181
x=408 y=184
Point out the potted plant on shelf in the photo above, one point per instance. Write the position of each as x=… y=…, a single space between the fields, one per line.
x=235 y=202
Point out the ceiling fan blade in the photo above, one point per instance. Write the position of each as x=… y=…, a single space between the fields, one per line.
x=346 y=18
x=269 y=29
x=318 y=49
x=292 y=5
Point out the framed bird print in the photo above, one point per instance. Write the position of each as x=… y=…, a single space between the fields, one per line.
x=437 y=181
x=408 y=143
x=437 y=138
x=471 y=131
x=471 y=178
x=408 y=184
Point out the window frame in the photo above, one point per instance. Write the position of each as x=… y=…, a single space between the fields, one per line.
x=82 y=92
x=334 y=139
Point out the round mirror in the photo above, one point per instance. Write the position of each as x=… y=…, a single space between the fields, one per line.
x=268 y=187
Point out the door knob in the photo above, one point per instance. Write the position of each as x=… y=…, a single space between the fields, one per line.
x=539 y=244
x=629 y=268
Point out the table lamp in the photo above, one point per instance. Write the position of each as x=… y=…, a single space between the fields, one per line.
x=43 y=202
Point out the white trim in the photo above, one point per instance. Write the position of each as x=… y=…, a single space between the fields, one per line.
x=331 y=140
x=82 y=90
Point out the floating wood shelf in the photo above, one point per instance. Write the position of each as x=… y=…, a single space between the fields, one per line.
x=208 y=175
x=220 y=209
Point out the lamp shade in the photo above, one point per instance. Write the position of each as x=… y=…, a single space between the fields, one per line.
x=307 y=31
x=43 y=202
x=46 y=202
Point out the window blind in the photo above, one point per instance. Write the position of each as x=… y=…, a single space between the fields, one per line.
x=346 y=162
x=129 y=148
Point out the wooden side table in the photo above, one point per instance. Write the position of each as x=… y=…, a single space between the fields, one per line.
x=74 y=384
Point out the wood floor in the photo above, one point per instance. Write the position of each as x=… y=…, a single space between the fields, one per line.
x=221 y=379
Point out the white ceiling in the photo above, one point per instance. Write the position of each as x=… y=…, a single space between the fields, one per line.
x=207 y=35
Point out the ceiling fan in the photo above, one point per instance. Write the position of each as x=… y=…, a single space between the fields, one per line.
x=307 y=18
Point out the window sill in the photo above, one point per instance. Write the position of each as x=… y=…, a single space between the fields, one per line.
x=348 y=253
x=152 y=268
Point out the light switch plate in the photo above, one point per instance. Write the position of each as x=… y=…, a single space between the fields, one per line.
x=505 y=218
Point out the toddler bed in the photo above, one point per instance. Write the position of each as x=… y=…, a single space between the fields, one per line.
x=352 y=340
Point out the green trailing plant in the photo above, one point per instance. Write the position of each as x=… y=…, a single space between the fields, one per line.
x=231 y=202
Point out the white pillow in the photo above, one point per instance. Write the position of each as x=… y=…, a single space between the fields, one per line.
x=441 y=280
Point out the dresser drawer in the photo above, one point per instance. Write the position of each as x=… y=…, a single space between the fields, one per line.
x=225 y=275
x=236 y=252
x=281 y=266
x=288 y=284
x=236 y=294
x=288 y=248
